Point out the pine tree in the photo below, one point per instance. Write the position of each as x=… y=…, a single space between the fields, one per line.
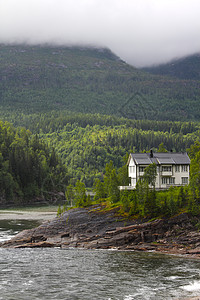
x=99 y=190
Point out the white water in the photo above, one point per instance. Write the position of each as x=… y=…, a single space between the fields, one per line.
x=193 y=286
x=94 y=275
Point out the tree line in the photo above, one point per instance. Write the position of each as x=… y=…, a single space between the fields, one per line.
x=86 y=142
x=86 y=150
x=29 y=170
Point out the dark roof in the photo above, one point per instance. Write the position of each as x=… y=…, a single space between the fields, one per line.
x=167 y=158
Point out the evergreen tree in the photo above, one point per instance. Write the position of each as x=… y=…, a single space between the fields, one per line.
x=70 y=194
x=99 y=190
x=162 y=148
x=80 y=194
x=124 y=199
x=150 y=174
x=113 y=187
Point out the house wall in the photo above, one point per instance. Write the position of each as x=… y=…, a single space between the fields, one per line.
x=177 y=173
x=181 y=174
x=132 y=172
x=158 y=177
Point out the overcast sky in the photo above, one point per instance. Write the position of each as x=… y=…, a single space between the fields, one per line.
x=141 y=32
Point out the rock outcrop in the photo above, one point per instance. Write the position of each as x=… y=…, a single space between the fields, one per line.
x=96 y=228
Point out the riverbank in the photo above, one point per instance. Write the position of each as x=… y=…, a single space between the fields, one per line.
x=96 y=228
x=26 y=215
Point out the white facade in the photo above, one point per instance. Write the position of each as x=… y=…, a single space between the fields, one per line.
x=173 y=169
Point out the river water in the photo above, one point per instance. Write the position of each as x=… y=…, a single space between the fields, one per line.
x=92 y=274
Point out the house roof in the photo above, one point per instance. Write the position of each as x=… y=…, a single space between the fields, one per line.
x=167 y=158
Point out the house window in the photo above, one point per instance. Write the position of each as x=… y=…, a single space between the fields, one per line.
x=184 y=168
x=165 y=180
x=131 y=169
x=141 y=169
x=184 y=180
x=168 y=180
x=166 y=168
x=177 y=168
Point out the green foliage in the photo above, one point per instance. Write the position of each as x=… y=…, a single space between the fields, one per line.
x=99 y=190
x=122 y=175
x=45 y=78
x=124 y=199
x=80 y=194
x=145 y=201
x=86 y=149
x=64 y=96
x=193 y=207
x=109 y=188
x=162 y=148
x=59 y=211
x=113 y=189
x=27 y=170
x=150 y=203
x=70 y=195
x=150 y=174
x=76 y=196
x=111 y=183
x=133 y=203
x=194 y=153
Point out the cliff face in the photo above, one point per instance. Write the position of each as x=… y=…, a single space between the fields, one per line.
x=93 y=228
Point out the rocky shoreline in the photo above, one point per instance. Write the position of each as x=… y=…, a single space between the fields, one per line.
x=95 y=228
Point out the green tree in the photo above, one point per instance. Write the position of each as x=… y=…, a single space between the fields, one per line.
x=122 y=176
x=113 y=188
x=70 y=194
x=134 y=206
x=150 y=205
x=162 y=148
x=124 y=199
x=150 y=174
x=99 y=190
x=107 y=177
x=80 y=194
x=195 y=176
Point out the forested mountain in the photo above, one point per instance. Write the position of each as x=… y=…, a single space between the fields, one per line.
x=82 y=108
x=184 y=68
x=89 y=80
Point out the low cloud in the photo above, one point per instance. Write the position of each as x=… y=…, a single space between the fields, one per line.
x=141 y=32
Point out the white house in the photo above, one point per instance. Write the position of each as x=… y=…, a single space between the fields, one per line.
x=173 y=169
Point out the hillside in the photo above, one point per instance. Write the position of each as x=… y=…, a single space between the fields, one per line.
x=43 y=78
x=184 y=68
x=87 y=142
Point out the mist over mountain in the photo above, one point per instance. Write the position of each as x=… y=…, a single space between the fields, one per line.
x=141 y=32
x=184 y=68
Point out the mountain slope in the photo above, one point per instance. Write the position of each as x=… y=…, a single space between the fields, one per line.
x=89 y=80
x=184 y=68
